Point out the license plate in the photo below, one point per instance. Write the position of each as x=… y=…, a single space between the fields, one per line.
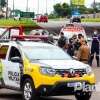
x=74 y=84
x=71 y=84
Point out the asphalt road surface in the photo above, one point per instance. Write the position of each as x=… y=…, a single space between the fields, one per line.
x=57 y=25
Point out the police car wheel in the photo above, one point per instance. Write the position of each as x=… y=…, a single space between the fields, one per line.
x=29 y=90
x=83 y=95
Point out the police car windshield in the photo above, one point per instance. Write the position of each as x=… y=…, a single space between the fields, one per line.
x=45 y=53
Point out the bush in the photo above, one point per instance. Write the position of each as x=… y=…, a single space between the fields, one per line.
x=91 y=20
x=12 y=22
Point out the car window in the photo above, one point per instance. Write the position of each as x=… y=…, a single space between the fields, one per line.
x=14 y=52
x=45 y=53
x=3 y=51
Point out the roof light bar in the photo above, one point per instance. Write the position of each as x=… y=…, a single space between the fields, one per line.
x=30 y=38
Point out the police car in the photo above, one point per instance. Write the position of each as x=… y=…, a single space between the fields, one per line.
x=41 y=69
x=73 y=29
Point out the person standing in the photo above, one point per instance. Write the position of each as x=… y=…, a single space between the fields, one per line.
x=95 y=50
x=77 y=43
x=83 y=52
x=62 y=41
x=70 y=49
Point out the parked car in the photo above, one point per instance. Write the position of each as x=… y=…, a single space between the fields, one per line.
x=41 y=69
x=42 y=18
x=75 y=19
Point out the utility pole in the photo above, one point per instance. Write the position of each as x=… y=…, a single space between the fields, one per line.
x=27 y=6
x=46 y=7
x=71 y=6
x=38 y=7
x=13 y=7
x=0 y=6
x=94 y=6
x=6 y=9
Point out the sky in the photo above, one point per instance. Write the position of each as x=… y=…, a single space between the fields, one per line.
x=33 y=5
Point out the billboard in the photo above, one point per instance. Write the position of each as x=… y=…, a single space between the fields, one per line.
x=77 y=2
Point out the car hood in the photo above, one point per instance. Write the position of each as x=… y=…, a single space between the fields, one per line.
x=63 y=64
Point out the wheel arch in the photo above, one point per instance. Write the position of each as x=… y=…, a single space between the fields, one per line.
x=23 y=79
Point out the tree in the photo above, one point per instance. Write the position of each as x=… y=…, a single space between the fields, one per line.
x=89 y=11
x=96 y=7
x=2 y=3
x=66 y=9
x=83 y=9
x=62 y=10
x=58 y=9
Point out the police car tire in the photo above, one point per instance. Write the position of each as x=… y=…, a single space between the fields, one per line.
x=83 y=95
x=29 y=90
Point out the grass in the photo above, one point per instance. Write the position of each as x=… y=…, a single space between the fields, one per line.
x=91 y=20
x=22 y=22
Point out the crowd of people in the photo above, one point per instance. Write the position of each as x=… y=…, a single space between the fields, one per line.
x=78 y=48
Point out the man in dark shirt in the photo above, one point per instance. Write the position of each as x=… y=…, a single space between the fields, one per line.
x=99 y=37
x=95 y=50
x=62 y=41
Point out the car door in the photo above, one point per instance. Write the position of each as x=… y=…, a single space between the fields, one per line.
x=3 y=53
x=11 y=69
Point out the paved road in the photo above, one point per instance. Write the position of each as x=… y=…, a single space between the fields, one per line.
x=56 y=26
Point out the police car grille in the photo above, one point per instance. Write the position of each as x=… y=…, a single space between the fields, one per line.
x=67 y=73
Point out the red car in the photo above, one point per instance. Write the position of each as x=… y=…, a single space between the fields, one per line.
x=42 y=18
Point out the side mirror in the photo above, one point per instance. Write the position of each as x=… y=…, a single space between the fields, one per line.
x=16 y=59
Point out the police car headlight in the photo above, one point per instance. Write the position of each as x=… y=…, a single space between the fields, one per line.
x=47 y=71
x=89 y=70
